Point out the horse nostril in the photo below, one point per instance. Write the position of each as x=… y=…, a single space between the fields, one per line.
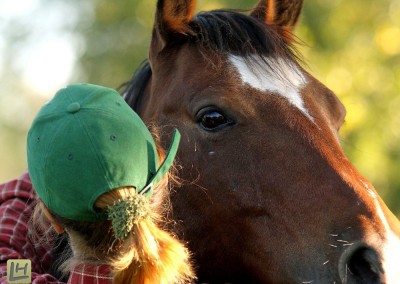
x=361 y=264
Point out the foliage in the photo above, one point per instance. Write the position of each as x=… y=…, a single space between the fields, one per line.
x=356 y=52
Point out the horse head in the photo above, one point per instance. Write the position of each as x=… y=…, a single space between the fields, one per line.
x=268 y=195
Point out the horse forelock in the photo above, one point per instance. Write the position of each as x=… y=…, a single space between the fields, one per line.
x=231 y=32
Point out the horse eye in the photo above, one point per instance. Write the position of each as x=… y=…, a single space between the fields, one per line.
x=213 y=120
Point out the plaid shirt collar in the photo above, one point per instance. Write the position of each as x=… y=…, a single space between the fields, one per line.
x=91 y=274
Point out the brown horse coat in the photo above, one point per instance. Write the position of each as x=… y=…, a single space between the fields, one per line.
x=268 y=195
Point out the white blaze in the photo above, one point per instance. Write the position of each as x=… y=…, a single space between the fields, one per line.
x=391 y=250
x=285 y=79
x=391 y=245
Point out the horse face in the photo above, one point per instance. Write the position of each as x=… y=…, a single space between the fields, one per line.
x=268 y=194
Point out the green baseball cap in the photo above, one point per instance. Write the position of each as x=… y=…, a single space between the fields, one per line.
x=87 y=141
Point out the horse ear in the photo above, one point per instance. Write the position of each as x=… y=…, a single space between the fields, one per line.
x=172 y=20
x=283 y=13
x=174 y=16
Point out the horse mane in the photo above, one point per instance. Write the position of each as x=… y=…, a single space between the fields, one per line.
x=228 y=32
x=231 y=32
x=133 y=89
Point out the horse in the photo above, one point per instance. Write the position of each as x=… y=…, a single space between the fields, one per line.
x=268 y=195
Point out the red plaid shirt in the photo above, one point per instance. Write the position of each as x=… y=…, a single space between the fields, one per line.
x=17 y=200
x=91 y=274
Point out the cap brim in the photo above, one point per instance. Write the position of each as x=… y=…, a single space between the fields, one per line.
x=166 y=164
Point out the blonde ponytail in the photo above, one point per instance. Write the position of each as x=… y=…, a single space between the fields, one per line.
x=148 y=254
x=158 y=258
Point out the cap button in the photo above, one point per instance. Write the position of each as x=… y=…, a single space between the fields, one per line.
x=74 y=107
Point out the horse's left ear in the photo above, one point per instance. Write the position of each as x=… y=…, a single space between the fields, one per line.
x=283 y=13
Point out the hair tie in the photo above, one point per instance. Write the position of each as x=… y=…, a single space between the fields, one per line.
x=127 y=212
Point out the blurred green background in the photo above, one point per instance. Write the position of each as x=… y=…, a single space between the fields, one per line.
x=352 y=46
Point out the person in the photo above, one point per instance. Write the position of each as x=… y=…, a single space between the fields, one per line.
x=95 y=168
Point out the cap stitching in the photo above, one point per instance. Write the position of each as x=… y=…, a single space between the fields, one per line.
x=93 y=198
x=101 y=163
x=46 y=157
